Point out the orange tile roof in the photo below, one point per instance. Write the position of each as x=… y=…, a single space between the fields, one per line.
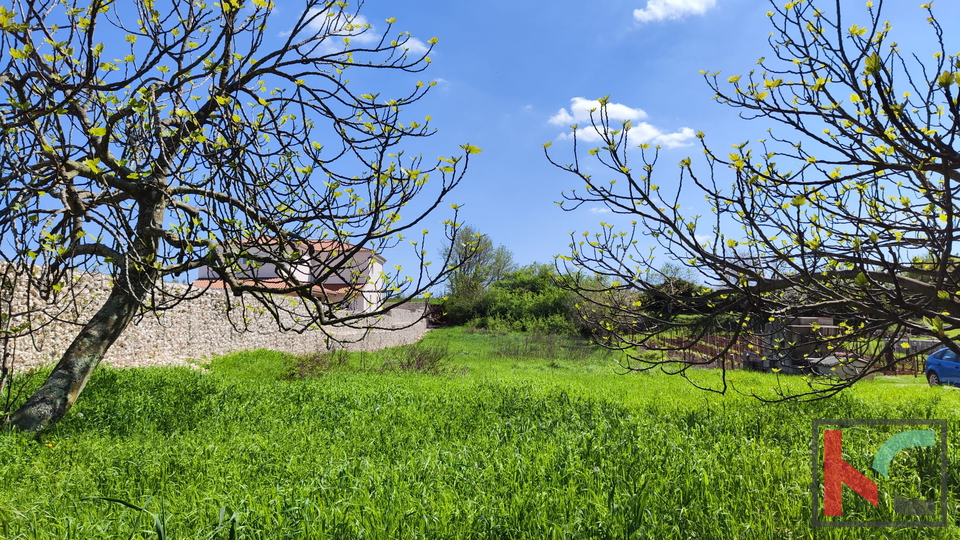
x=319 y=245
x=337 y=287
x=333 y=290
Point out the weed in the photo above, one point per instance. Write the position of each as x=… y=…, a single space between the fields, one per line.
x=513 y=449
x=317 y=364
x=544 y=346
x=417 y=357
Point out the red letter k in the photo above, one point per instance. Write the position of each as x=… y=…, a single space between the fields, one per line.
x=837 y=472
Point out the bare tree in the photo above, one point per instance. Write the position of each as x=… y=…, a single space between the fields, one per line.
x=848 y=209
x=153 y=137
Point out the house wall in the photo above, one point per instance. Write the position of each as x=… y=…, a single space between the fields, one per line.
x=363 y=272
x=359 y=271
x=371 y=289
x=196 y=329
x=266 y=270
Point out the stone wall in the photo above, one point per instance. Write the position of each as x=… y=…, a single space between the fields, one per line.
x=197 y=329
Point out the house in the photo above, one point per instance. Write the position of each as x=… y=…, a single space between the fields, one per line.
x=359 y=281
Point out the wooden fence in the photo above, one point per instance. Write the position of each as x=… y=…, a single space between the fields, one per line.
x=704 y=350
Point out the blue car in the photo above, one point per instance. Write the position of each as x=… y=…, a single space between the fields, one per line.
x=942 y=367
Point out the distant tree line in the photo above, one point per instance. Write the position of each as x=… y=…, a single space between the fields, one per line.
x=490 y=291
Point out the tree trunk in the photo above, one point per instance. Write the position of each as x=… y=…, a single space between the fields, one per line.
x=52 y=401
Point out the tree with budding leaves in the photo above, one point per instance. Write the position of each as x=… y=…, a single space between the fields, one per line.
x=848 y=209
x=479 y=266
x=154 y=137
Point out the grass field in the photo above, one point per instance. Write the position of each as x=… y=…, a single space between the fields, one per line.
x=496 y=436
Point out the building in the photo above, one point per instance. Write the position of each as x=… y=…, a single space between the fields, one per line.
x=358 y=281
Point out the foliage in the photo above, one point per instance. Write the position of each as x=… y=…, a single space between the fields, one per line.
x=205 y=145
x=528 y=299
x=524 y=299
x=518 y=447
x=478 y=266
x=417 y=357
x=317 y=364
x=830 y=216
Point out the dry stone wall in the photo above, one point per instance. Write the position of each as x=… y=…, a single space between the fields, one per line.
x=198 y=329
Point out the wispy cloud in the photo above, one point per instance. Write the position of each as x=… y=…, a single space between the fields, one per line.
x=659 y=10
x=598 y=210
x=640 y=133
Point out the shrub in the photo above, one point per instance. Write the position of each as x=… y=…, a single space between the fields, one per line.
x=417 y=357
x=526 y=300
x=319 y=363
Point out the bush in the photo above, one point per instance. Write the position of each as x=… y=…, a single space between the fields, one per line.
x=319 y=363
x=461 y=309
x=526 y=300
x=417 y=357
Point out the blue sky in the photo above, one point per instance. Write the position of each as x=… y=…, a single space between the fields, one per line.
x=512 y=75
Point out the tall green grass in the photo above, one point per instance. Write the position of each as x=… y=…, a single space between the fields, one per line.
x=516 y=437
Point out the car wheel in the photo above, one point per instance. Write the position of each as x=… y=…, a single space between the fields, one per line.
x=933 y=378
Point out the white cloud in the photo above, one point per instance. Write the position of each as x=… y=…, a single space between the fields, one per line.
x=659 y=10
x=640 y=132
x=580 y=112
x=597 y=210
x=675 y=140
x=415 y=47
